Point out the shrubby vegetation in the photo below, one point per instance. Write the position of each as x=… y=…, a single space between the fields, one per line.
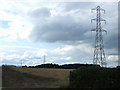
x=64 y=66
x=95 y=77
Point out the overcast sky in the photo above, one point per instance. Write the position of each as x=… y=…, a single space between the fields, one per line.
x=59 y=30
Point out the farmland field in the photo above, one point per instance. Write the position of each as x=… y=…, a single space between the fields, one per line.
x=35 y=77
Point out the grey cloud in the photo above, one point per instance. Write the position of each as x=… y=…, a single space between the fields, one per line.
x=111 y=41
x=77 y=5
x=62 y=28
x=40 y=12
x=73 y=28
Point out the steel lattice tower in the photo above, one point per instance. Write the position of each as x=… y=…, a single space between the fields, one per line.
x=99 y=54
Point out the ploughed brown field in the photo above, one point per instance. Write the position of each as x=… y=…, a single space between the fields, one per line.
x=35 y=77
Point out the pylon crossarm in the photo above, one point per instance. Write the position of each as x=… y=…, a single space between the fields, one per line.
x=102 y=10
x=93 y=30
x=93 y=20
x=93 y=10
x=103 y=20
x=104 y=31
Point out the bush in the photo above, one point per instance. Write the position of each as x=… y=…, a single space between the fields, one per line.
x=94 y=77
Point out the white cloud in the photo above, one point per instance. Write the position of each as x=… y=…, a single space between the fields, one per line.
x=12 y=57
x=57 y=55
x=112 y=58
x=19 y=26
x=65 y=54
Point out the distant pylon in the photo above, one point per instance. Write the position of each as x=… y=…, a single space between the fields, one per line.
x=99 y=54
x=21 y=62
x=44 y=59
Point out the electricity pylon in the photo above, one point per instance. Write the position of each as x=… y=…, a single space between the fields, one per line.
x=99 y=54
x=44 y=59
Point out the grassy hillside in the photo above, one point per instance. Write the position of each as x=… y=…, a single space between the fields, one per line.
x=35 y=77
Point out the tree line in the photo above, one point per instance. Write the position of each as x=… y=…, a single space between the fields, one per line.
x=64 y=66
